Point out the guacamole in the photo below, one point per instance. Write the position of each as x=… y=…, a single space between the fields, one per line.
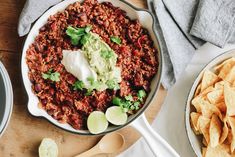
x=102 y=59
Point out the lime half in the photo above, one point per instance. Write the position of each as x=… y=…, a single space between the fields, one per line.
x=48 y=148
x=97 y=122
x=116 y=116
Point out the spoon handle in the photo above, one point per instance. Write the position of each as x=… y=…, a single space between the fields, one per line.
x=93 y=151
x=158 y=145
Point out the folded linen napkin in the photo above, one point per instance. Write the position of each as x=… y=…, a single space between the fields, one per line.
x=191 y=22
x=215 y=21
x=177 y=50
x=32 y=10
x=183 y=25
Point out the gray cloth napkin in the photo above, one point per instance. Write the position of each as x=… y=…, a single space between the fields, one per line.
x=182 y=25
x=180 y=20
x=32 y=10
x=174 y=43
x=215 y=21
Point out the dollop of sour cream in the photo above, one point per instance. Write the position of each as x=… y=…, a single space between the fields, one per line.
x=76 y=64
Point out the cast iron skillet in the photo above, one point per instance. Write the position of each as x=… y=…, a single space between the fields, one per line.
x=156 y=143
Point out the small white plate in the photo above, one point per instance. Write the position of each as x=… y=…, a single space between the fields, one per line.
x=6 y=99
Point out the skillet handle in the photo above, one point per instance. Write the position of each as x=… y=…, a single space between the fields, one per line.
x=158 y=145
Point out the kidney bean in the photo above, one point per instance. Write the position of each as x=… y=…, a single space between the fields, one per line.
x=38 y=87
x=83 y=17
x=51 y=91
x=44 y=101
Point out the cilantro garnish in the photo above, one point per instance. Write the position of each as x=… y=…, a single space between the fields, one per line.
x=53 y=76
x=116 y=40
x=129 y=98
x=141 y=94
x=128 y=104
x=78 y=85
x=88 y=93
x=77 y=34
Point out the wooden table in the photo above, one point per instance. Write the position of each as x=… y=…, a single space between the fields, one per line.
x=25 y=132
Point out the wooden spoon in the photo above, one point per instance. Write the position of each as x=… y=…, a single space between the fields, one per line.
x=110 y=143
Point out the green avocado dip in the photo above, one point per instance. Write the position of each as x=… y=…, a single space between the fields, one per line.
x=94 y=64
x=102 y=60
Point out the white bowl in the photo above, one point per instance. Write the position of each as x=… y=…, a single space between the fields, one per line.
x=195 y=140
x=6 y=99
x=146 y=19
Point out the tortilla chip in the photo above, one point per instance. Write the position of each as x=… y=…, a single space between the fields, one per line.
x=233 y=84
x=229 y=96
x=196 y=103
x=194 y=119
x=231 y=121
x=229 y=138
x=224 y=134
x=206 y=91
x=204 y=142
x=201 y=97
x=198 y=90
x=203 y=126
x=208 y=79
x=220 y=66
x=219 y=151
x=215 y=131
x=230 y=77
x=221 y=106
x=226 y=67
x=215 y=96
x=204 y=151
x=209 y=109
x=219 y=85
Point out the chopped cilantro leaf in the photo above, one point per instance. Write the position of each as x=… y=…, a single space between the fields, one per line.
x=78 y=85
x=88 y=29
x=75 y=40
x=129 y=98
x=132 y=107
x=141 y=94
x=53 y=76
x=116 y=40
x=128 y=104
x=136 y=105
x=76 y=34
x=117 y=101
x=88 y=93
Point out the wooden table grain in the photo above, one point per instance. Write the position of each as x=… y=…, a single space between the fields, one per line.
x=24 y=132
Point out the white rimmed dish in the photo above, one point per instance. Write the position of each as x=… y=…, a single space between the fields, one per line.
x=195 y=140
x=6 y=99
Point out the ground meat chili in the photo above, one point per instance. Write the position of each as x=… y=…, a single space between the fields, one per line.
x=137 y=58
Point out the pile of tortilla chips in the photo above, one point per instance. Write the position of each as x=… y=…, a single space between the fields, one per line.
x=214 y=115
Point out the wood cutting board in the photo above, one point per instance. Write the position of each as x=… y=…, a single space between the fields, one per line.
x=25 y=132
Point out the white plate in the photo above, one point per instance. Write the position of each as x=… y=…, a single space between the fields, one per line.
x=6 y=99
x=195 y=140
x=146 y=20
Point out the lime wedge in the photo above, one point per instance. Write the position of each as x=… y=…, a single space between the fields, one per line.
x=97 y=122
x=48 y=148
x=116 y=116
